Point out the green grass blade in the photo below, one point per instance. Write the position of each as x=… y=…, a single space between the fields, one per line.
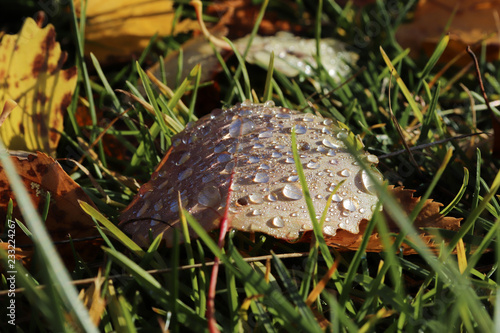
x=52 y=262
x=402 y=86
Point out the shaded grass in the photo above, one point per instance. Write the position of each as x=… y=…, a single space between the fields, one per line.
x=368 y=291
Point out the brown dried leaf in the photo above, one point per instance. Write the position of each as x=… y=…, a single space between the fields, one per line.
x=474 y=21
x=41 y=174
x=239 y=17
x=91 y=298
x=429 y=217
x=115 y=29
x=31 y=74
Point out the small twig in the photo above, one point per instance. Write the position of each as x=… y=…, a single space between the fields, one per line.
x=494 y=119
x=167 y=270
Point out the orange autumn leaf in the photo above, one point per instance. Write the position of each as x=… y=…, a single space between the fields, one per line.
x=118 y=28
x=429 y=217
x=41 y=175
x=474 y=21
x=31 y=74
x=239 y=17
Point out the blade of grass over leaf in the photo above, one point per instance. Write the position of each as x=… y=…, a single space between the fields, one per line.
x=54 y=266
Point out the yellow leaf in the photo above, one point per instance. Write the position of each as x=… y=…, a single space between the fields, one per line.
x=118 y=28
x=31 y=75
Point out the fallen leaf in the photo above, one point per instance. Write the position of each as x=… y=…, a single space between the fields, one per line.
x=429 y=217
x=115 y=29
x=19 y=254
x=474 y=21
x=42 y=175
x=248 y=148
x=239 y=17
x=91 y=298
x=31 y=74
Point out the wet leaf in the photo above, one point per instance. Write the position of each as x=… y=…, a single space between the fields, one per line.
x=31 y=74
x=248 y=148
x=42 y=175
x=474 y=21
x=429 y=217
x=115 y=29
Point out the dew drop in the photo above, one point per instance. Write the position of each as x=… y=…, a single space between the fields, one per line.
x=308 y=118
x=345 y=173
x=185 y=174
x=253 y=159
x=329 y=144
x=258 y=146
x=327 y=122
x=162 y=185
x=336 y=198
x=229 y=167
x=349 y=205
x=261 y=177
x=372 y=159
x=266 y=134
x=313 y=165
x=176 y=142
x=264 y=167
x=292 y=192
x=331 y=152
x=256 y=212
x=283 y=116
x=343 y=134
x=362 y=210
x=247 y=102
x=219 y=148
x=235 y=128
x=223 y=158
x=256 y=198
x=183 y=158
x=293 y=178
x=143 y=209
x=209 y=196
x=271 y=197
x=368 y=183
x=299 y=129
x=319 y=196
x=289 y=160
x=269 y=104
x=276 y=154
x=277 y=222
x=247 y=127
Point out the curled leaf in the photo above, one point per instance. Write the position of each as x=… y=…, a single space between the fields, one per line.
x=42 y=175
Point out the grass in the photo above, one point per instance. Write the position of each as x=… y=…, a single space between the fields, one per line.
x=265 y=284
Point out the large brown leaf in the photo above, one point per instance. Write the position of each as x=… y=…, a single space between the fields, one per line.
x=42 y=175
x=474 y=21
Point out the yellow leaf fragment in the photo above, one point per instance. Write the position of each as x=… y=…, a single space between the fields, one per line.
x=31 y=74
x=118 y=28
